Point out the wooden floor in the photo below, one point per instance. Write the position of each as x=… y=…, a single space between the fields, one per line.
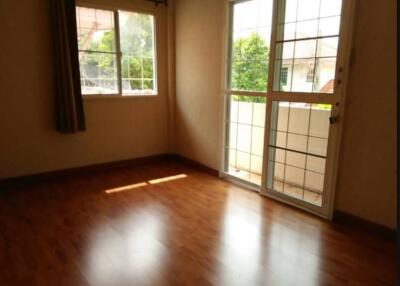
x=124 y=227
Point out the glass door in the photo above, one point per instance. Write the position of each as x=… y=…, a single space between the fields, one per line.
x=246 y=95
x=287 y=62
x=305 y=97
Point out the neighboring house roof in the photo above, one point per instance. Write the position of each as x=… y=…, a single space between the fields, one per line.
x=328 y=87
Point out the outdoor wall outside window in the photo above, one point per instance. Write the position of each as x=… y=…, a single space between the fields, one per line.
x=116 y=52
x=298 y=150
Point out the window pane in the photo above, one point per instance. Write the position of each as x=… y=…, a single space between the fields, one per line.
x=303 y=73
x=314 y=181
x=251 y=30
x=256 y=165
x=325 y=75
x=327 y=47
x=329 y=26
x=301 y=124
x=259 y=114
x=287 y=50
x=280 y=156
x=297 y=165
x=279 y=139
x=257 y=141
x=305 y=49
x=283 y=118
x=138 y=53
x=232 y=143
x=243 y=164
x=95 y=29
x=289 y=31
x=307 y=43
x=307 y=9
x=294 y=175
x=98 y=73
x=245 y=115
x=284 y=69
x=245 y=137
x=317 y=146
x=290 y=11
x=315 y=164
x=330 y=8
x=296 y=142
x=319 y=120
x=307 y=29
x=295 y=159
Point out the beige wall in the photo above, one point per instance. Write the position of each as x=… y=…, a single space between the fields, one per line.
x=367 y=177
x=367 y=171
x=198 y=79
x=117 y=129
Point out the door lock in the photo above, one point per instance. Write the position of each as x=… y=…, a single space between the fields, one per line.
x=333 y=119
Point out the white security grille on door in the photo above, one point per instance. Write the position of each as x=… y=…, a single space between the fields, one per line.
x=297 y=150
x=307 y=42
x=246 y=137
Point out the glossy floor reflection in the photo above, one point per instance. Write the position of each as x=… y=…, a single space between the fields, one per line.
x=185 y=228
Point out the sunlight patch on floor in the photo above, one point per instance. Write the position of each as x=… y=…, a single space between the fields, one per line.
x=125 y=188
x=166 y=179
x=143 y=184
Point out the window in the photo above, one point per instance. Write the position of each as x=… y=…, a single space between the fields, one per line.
x=307 y=35
x=247 y=73
x=116 y=52
x=250 y=45
x=284 y=75
x=310 y=73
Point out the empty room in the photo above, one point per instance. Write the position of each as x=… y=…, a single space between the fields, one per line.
x=198 y=142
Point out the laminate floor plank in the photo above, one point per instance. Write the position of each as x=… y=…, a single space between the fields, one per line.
x=168 y=224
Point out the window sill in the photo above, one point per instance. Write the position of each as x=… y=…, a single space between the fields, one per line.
x=117 y=96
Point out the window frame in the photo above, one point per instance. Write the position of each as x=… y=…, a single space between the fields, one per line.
x=228 y=91
x=115 y=10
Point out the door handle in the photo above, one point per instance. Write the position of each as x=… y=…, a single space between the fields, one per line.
x=334 y=118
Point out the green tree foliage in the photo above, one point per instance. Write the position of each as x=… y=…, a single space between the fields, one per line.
x=250 y=66
x=137 y=50
x=97 y=65
x=250 y=58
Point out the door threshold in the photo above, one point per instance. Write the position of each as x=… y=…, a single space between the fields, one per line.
x=240 y=182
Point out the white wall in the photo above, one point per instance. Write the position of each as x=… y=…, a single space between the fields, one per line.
x=199 y=44
x=367 y=171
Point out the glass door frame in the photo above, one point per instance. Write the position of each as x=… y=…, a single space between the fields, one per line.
x=227 y=92
x=336 y=100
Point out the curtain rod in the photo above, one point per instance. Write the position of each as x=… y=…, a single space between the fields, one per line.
x=156 y=2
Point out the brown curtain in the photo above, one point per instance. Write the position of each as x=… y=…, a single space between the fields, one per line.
x=69 y=106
